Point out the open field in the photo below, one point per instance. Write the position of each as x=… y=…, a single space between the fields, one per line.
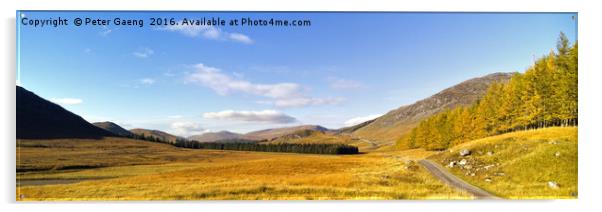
x=536 y=164
x=124 y=169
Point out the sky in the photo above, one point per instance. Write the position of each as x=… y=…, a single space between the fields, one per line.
x=342 y=69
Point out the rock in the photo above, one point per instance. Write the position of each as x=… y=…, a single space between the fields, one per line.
x=488 y=166
x=452 y=164
x=472 y=174
x=489 y=153
x=553 y=142
x=468 y=167
x=464 y=152
x=500 y=174
x=488 y=180
x=462 y=162
x=553 y=185
x=557 y=154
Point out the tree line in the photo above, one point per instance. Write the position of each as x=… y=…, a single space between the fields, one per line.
x=284 y=147
x=544 y=96
x=149 y=138
x=248 y=145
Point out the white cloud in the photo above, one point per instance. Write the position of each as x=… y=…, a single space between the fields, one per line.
x=67 y=101
x=305 y=101
x=282 y=94
x=240 y=38
x=337 y=83
x=361 y=119
x=186 y=128
x=175 y=116
x=224 y=84
x=143 y=53
x=208 y=32
x=105 y=31
x=147 y=81
x=267 y=116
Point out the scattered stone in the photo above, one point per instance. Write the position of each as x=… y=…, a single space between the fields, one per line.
x=464 y=152
x=500 y=174
x=488 y=180
x=468 y=167
x=452 y=164
x=472 y=174
x=489 y=153
x=488 y=166
x=557 y=154
x=462 y=162
x=553 y=142
x=553 y=185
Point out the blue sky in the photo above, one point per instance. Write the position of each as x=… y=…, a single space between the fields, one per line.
x=341 y=69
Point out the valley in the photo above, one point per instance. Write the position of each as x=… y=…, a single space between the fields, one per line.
x=125 y=169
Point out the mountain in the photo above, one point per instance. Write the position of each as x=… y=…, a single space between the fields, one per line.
x=350 y=129
x=269 y=134
x=385 y=130
x=215 y=136
x=155 y=133
x=309 y=136
x=38 y=118
x=113 y=128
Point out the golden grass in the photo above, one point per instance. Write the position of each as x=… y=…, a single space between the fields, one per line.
x=163 y=172
x=521 y=163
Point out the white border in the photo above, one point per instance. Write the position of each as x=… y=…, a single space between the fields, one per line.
x=589 y=102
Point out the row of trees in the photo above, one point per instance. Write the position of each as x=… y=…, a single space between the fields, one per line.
x=295 y=148
x=148 y=138
x=545 y=95
x=248 y=145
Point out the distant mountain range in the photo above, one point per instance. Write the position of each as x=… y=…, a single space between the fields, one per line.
x=38 y=118
x=260 y=135
x=215 y=136
x=41 y=119
x=394 y=124
x=269 y=134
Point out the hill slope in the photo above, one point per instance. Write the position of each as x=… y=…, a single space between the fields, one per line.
x=38 y=118
x=215 y=136
x=531 y=164
x=155 y=133
x=113 y=128
x=269 y=134
x=308 y=136
x=391 y=126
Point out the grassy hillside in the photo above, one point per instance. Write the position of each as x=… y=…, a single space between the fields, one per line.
x=311 y=137
x=215 y=136
x=120 y=169
x=387 y=129
x=535 y=164
x=269 y=134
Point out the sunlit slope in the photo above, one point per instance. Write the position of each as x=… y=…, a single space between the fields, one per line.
x=536 y=164
x=387 y=129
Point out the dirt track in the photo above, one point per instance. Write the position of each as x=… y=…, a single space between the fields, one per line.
x=450 y=179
